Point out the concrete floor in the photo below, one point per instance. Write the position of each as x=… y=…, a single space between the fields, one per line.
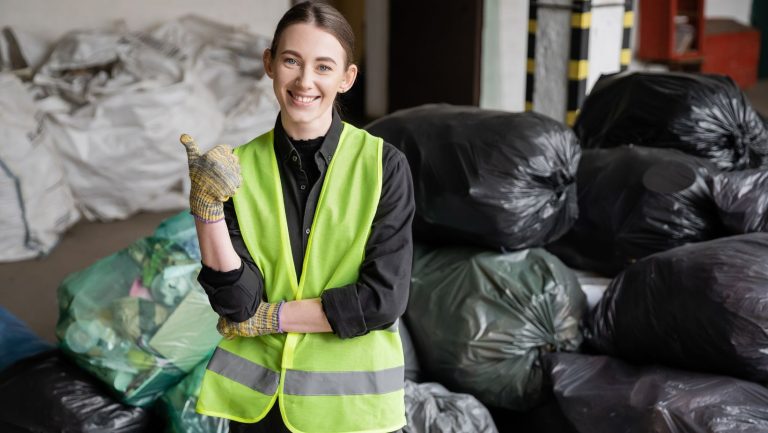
x=29 y=287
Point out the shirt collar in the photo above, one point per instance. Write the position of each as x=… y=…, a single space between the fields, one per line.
x=284 y=148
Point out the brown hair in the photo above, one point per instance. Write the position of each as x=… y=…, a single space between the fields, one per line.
x=322 y=15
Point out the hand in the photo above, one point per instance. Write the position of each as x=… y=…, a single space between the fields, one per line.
x=215 y=177
x=265 y=321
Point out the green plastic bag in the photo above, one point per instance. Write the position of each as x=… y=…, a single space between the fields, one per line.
x=480 y=319
x=138 y=320
x=179 y=402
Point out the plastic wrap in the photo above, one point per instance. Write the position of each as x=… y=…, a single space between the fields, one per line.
x=599 y=394
x=703 y=115
x=48 y=394
x=741 y=198
x=179 y=406
x=17 y=341
x=479 y=320
x=137 y=319
x=430 y=408
x=636 y=201
x=700 y=307
x=482 y=177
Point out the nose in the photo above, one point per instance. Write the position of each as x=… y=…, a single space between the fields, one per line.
x=304 y=79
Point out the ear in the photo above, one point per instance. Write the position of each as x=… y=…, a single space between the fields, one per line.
x=349 y=78
x=267 y=58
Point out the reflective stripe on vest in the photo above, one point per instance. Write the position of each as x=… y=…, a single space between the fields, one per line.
x=325 y=384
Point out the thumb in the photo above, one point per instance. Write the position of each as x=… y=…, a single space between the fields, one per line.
x=193 y=152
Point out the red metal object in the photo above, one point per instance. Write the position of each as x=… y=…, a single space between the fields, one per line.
x=733 y=49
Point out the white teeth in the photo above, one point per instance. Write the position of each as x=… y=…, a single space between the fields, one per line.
x=304 y=99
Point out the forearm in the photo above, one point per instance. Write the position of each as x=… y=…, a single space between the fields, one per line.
x=216 y=247
x=304 y=316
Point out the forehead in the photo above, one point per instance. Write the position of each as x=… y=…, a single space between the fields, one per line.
x=310 y=42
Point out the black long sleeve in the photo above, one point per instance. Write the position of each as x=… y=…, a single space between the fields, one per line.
x=380 y=295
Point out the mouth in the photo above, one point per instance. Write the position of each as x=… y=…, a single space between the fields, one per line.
x=302 y=99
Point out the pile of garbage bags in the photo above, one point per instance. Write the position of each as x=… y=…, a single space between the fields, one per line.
x=702 y=115
x=491 y=178
x=94 y=130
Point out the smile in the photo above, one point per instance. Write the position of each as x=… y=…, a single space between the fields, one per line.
x=302 y=100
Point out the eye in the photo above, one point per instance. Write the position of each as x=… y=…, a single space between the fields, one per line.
x=290 y=61
x=324 y=68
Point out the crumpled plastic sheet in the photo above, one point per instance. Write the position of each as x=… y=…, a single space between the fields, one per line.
x=480 y=320
x=704 y=115
x=431 y=408
x=700 y=307
x=599 y=394
x=178 y=404
x=482 y=177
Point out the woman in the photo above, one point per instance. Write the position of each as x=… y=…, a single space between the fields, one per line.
x=308 y=264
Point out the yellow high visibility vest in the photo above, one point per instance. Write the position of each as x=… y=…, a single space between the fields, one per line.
x=325 y=384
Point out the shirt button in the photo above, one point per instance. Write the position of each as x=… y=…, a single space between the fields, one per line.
x=294 y=158
x=306 y=231
x=303 y=187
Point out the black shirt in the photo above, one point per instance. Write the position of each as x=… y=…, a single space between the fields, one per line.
x=380 y=295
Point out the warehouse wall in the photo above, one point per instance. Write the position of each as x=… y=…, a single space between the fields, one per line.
x=48 y=20
x=505 y=45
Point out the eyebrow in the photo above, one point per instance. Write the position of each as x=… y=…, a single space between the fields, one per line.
x=319 y=59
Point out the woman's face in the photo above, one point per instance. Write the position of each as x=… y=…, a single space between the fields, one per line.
x=308 y=70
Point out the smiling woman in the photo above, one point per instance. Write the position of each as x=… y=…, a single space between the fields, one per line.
x=308 y=264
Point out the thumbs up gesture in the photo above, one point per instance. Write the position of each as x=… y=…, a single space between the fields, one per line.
x=215 y=177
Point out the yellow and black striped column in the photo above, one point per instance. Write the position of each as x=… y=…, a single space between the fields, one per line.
x=578 y=64
x=530 y=61
x=629 y=19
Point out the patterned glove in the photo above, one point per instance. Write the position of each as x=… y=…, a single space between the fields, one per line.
x=265 y=321
x=215 y=178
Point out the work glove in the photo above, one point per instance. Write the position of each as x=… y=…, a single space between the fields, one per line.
x=265 y=321
x=215 y=177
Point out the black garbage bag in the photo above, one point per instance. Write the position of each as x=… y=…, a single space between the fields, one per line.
x=47 y=393
x=412 y=368
x=699 y=307
x=482 y=177
x=636 y=201
x=704 y=115
x=430 y=408
x=599 y=394
x=742 y=200
x=480 y=319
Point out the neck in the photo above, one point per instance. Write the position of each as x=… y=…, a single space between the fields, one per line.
x=310 y=130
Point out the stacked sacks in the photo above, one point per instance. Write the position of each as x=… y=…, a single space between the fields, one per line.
x=636 y=201
x=137 y=319
x=653 y=399
x=698 y=307
x=490 y=178
x=480 y=320
x=122 y=104
x=703 y=115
